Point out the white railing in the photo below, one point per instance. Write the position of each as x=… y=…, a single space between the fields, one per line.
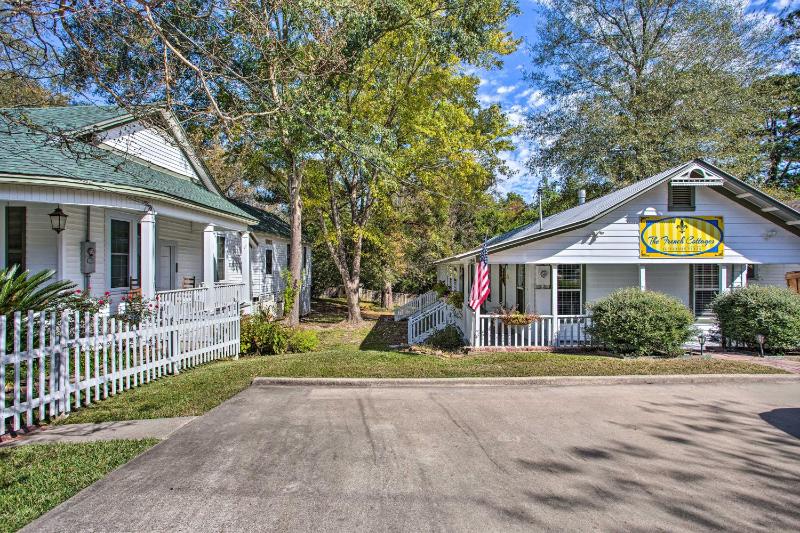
x=204 y=298
x=51 y=365
x=494 y=333
x=416 y=305
x=425 y=323
x=571 y=332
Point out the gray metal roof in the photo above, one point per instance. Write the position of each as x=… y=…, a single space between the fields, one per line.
x=583 y=214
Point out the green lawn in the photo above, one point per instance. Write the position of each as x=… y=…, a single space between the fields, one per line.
x=37 y=477
x=363 y=351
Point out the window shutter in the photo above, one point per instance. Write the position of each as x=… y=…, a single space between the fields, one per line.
x=681 y=197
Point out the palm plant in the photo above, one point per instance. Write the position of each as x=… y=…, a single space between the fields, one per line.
x=23 y=291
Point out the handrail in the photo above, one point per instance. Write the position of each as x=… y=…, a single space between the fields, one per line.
x=416 y=305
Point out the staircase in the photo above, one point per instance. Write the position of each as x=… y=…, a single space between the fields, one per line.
x=420 y=303
x=430 y=320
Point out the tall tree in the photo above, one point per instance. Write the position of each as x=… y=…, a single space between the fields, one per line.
x=414 y=128
x=636 y=86
x=781 y=133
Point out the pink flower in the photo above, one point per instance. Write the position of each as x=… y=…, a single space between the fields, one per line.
x=78 y=291
x=107 y=293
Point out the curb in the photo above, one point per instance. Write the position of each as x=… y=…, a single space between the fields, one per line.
x=546 y=381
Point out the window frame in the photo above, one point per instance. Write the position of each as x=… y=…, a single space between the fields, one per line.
x=501 y=283
x=269 y=262
x=131 y=254
x=23 y=238
x=694 y=289
x=671 y=199
x=219 y=259
x=520 y=289
x=581 y=281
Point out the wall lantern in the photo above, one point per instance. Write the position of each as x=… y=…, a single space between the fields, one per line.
x=58 y=220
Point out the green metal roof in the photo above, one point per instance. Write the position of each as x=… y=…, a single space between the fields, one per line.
x=267 y=222
x=36 y=154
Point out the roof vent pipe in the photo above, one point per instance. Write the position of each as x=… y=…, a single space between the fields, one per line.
x=581 y=196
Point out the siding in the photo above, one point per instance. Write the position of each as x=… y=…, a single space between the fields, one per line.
x=774 y=274
x=601 y=280
x=151 y=145
x=669 y=279
x=189 y=254
x=619 y=242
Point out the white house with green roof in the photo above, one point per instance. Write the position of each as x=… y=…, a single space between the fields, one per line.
x=118 y=202
x=691 y=231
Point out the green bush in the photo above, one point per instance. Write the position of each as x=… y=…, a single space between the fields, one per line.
x=259 y=336
x=448 y=338
x=770 y=311
x=302 y=340
x=634 y=322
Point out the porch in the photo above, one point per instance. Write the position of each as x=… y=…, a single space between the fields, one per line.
x=558 y=294
x=109 y=243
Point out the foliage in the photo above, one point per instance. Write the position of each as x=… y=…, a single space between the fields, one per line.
x=83 y=302
x=36 y=478
x=780 y=97
x=135 y=309
x=441 y=289
x=770 y=311
x=448 y=338
x=302 y=340
x=261 y=336
x=17 y=90
x=635 y=322
x=633 y=89
x=23 y=291
x=513 y=317
x=456 y=299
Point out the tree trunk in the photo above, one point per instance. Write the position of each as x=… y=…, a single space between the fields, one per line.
x=296 y=256
x=387 y=298
x=353 y=307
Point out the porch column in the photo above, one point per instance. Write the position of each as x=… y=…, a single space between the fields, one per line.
x=209 y=252
x=148 y=246
x=642 y=277
x=245 y=257
x=554 y=301
x=723 y=278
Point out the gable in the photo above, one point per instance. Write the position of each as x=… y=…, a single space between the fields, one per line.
x=149 y=144
x=750 y=237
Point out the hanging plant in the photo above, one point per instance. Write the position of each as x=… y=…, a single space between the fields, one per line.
x=512 y=317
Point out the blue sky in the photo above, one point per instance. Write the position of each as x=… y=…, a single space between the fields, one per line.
x=506 y=86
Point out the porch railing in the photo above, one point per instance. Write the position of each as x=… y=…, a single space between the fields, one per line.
x=430 y=320
x=416 y=305
x=570 y=332
x=189 y=301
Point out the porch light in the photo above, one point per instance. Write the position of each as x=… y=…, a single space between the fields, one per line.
x=58 y=220
x=760 y=340
x=702 y=340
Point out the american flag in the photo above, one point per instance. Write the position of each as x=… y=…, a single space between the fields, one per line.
x=480 y=285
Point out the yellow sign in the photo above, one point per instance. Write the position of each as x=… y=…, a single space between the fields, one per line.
x=681 y=237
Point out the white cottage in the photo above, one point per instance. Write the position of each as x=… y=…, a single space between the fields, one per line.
x=691 y=232
x=139 y=209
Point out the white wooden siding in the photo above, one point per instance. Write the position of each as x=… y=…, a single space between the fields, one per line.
x=774 y=274
x=669 y=279
x=149 y=144
x=189 y=253
x=601 y=280
x=619 y=241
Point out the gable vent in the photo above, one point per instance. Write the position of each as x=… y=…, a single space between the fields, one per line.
x=681 y=197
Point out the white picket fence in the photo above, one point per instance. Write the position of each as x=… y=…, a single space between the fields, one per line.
x=51 y=365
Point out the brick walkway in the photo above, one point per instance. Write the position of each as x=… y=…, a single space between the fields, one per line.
x=776 y=362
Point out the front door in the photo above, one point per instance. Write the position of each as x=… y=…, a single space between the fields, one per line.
x=167 y=267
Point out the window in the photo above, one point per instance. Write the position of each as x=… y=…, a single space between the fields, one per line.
x=681 y=198
x=752 y=273
x=219 y=260
x=15 y=237
x=268 y=262
x=502 y=290
x=288 y=255
x=570 y=286
x=120 y=253
x=521 y=288
x=305 y=258
x=706 y=287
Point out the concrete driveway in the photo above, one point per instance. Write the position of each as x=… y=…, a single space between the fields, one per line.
x=305 y=458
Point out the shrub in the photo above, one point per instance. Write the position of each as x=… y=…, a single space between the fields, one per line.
x=456 y=299
x=23 y=291
x=634 y=322
x=448 y=338
x=135 y=309
x=260 y=336
x=770 y=311
x=441 y=289
x=302 y=340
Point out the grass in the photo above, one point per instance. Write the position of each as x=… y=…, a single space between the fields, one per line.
x=363 y=351
x=37 y=477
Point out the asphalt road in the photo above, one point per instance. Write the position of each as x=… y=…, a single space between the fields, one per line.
x=305 y=458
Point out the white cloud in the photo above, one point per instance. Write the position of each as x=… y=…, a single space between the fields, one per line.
x=506 y=89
